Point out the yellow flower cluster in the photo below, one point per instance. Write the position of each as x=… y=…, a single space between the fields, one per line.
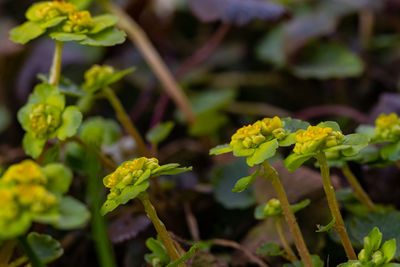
x=23 y=187
x=128 y=173
x=253 y=135
x=78 y=21
x=273 y=207
x=44 y=119
x=96 y=75
x=50 y=10
x=316 y=138
x=387 y=127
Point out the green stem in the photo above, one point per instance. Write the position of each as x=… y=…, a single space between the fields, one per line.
x=126 y=121
x=359 y=191
x=272 y=175
x=160 y=227
x=290 y=253
x=55 y=70
x=99 y=228
x=29 y=252
x=334 y=207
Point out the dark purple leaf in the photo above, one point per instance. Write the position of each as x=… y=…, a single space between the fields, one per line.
x=127 y=227
x=239 y=12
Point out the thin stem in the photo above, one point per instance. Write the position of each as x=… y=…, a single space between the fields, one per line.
x=99 y=228
x=126 y=121
x=272 y=175
x=140 y=39
x=29 y=252
x=359 y=191
x=290 y=253
x=55 y=70
x=159 y=225
x=18 y=262
x=6 y=251
x=334 y=207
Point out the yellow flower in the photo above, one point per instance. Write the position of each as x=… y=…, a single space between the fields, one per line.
x=315 y=138
x=9 y=207
x=128 y=173
x=97 y=76
x=252 y=136
x=35 y=197
x=387 y=127
x=26 y=172
x=54 y=9
x=78 y=21
x=44 y=119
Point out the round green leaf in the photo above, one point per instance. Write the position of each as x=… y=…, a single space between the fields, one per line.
x=33 y=146
x=71 y=120
x=293 y=161
x=67 y=37
x=221 y=149
x=45 y=247
x=107 y=37
x=26 y=32
x=159 y=132
x=59 y=178
x=73 y=214
x=264 y=151
x=102 y=22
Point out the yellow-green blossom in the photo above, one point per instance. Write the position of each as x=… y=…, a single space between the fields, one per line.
x=78 y=21
x=97 y=77
x=128 y=173
x=50 y=10
x=35 y=197
x=248 y=138
x=387 y=127
x=26 y=172
x=44 y=119
x=9 y=206
x=316 y=138
x=272 y=208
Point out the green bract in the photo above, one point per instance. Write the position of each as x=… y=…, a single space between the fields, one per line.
x=29 y=193
x=259 y=141
x=98 y=77
x=64 y=22
x=45 y=116
x=325 y=137
x=99 y=131
x=273 y=208
x=132 y=178
x=373 y=254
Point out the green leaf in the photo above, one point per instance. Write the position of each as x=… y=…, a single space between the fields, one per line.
x=184 y=257
x=33 y=146
x=293 y=125
x=301 y=205
x=208 y=123
x=264 y=151
x=271 y=47
x=289 y=140
x=158 y=249
x=59 y=178
x=332 y=124
x=159 y=132
x=52 y=22
x=71 y=120
x=317 y=262
x=221 y=149
x=19 y=226
x=389 y=249
x=223 y=179
x=107 y=37
x=73 y=214
x=270 y=249
x=373 y=241
x=118 y=75
x=368 y=130
x=49 y=94
x=293 y=161
x=245 y=182
x=99 y=131
x=67 y=37
x=26 y=32
x=174 y=171
x=326 y=227
x=323 y=60
x=45 y=247
x=391 y=151
x=102 y=22
x=128 y=192
x=52 y=154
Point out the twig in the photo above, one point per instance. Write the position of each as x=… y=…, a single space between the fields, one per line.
x=229 y=243
x=191 y=222
x=138 y=36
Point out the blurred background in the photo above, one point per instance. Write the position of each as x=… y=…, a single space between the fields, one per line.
x=237 y=61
